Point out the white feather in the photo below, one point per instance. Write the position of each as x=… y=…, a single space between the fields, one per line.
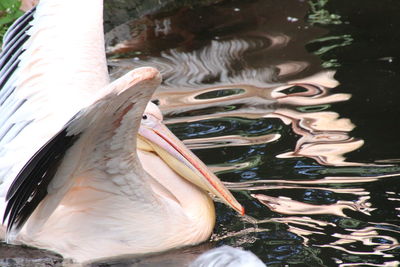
x=227 y=256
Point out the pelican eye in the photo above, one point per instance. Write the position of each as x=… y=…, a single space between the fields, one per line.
x=144 y=117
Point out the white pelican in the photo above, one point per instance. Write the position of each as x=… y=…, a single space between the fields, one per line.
x=86 y=169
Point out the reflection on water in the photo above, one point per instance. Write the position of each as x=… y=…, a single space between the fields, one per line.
x=242 y=91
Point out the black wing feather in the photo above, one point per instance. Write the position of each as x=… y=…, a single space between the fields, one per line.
x=30 y=186
x=12 y=53
x=16 y=27
x=13 y=41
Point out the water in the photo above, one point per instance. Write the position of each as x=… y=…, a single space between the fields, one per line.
x=293 y=105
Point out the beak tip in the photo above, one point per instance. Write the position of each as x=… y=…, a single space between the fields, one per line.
x=242 y=210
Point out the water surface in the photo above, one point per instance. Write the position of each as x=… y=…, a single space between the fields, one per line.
x=294 y=106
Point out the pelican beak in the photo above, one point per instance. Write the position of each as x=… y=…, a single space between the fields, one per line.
x=159 y=139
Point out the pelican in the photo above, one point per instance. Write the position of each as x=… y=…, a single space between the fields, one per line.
x=87 y=168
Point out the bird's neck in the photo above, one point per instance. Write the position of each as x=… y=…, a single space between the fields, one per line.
x=195 y=203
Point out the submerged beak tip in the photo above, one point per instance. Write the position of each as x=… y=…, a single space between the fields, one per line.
x=242 y=211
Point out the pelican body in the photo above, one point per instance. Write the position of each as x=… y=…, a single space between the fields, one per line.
x=87 y=168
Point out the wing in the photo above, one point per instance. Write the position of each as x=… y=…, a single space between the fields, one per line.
x=51 y=66
x=13 y=42
x=113 y=120
x=30 y=185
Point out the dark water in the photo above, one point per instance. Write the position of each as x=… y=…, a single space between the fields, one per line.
x=293 y=104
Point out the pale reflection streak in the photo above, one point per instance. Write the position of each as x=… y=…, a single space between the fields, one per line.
x=250 y=162
x=386 y=264
x=290 y=67
x=366 y=236
x=268 y=185
x=255 y=101
x=285 y=205
x=328 y=180
x=230 y=140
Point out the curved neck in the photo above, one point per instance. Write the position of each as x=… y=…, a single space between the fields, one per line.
x=196 y=204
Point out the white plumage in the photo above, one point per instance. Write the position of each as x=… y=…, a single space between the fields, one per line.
x=227 y=256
